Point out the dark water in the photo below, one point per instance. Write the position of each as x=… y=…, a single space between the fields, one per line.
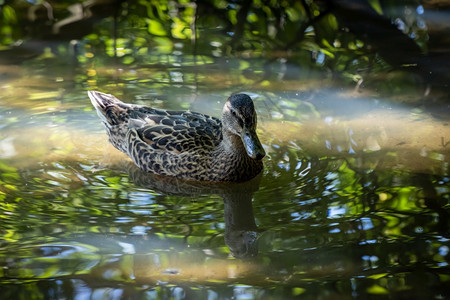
x=352 y=203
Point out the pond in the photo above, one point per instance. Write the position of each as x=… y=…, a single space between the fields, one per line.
x=353 y=202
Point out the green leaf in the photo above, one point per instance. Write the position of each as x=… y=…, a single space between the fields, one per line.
x=377 y=276
x=156 y=28
x=9 y=14
x=298 y=291
x=378 y=290
x=376 y=6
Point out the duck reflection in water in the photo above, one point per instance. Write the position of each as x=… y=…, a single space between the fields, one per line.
x=241 y=232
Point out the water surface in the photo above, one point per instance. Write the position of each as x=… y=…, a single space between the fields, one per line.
x=353 y=201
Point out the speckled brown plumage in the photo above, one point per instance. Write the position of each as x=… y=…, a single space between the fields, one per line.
x=185 y=144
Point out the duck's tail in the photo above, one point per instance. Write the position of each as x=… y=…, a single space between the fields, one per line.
x=109 y=108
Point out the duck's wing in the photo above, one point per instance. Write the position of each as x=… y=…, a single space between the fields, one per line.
x=169 y=131
x=176 y=131
x=179 y=145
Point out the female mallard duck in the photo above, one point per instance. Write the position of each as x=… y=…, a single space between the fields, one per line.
x=185 y=144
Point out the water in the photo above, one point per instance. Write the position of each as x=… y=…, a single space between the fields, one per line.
x=353 y=201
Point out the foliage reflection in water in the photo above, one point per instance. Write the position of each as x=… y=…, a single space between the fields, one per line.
x=350 y=204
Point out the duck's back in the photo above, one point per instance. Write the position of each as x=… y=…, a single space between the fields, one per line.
x=166 y=131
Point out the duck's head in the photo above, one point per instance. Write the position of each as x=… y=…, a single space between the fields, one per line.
x=239 y=118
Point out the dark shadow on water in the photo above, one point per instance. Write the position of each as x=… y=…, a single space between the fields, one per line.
x=241 y=231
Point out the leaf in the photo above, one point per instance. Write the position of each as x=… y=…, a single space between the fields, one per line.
x=156 y=28
x=180 y=30
x=378 y=290
x=298 y=291
x=9 y=14
x=377 y=276
x=376 y=6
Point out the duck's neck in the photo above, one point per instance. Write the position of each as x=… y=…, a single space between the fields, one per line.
x=232 y=143
x=230 y=161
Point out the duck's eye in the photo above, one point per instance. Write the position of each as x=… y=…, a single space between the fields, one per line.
x=241 y=123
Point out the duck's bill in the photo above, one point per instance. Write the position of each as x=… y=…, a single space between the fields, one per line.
x=252 y=144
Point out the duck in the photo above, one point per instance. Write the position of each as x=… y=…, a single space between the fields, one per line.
x=185 y=144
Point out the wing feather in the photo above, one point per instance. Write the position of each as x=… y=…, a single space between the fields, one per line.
x=176 y=131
